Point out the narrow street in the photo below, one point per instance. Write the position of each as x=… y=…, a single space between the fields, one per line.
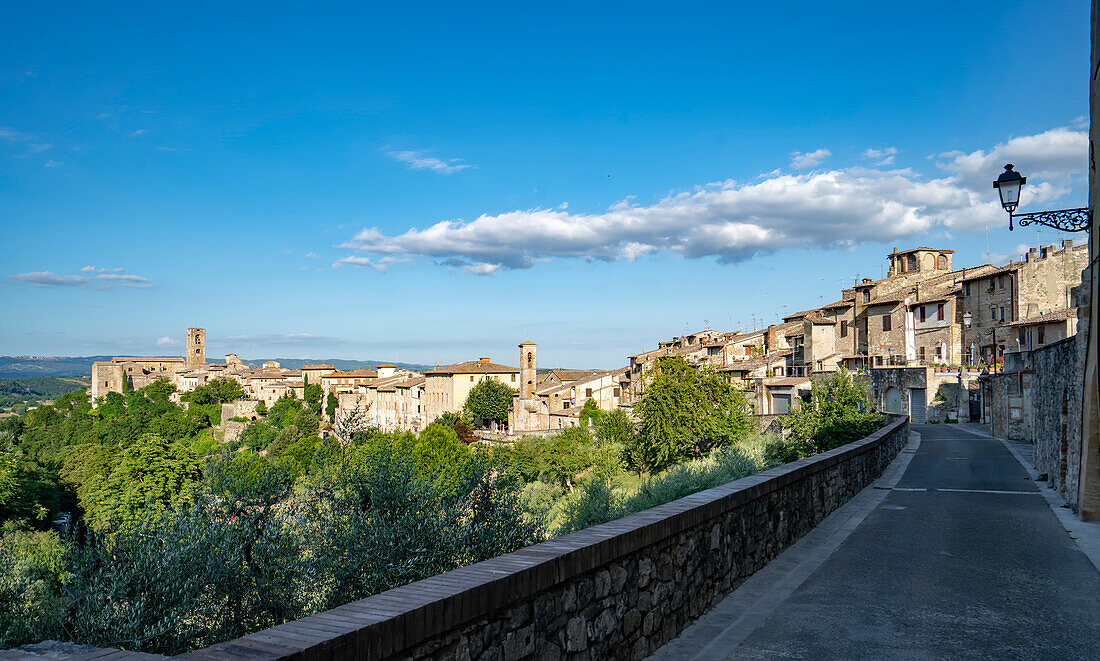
x=953 y=553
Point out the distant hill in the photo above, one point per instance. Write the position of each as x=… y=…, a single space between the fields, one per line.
x=18 y=367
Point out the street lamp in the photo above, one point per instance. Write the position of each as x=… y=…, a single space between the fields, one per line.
x=1008 y=185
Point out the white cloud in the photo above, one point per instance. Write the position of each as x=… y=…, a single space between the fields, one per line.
x=808 y=160
x=125 y=280
x=379 y=265
x=53 y=164
x=48 y=279
x=311 y=255
x=482 y=269
x=419 y=160
x=98 y=278
x=733 y=221
x=167 y=342
x=884 y=156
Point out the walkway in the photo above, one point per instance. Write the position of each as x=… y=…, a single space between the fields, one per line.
x=953 y=554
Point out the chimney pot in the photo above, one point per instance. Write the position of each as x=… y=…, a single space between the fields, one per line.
x=484 y=359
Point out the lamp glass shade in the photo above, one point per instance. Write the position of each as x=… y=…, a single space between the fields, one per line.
x=967 y=318
x=1008 y=186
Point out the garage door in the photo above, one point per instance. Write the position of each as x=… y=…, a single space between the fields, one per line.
x=916 y=405
x=781 y=404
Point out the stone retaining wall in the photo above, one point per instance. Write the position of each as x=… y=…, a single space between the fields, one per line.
x=618 y=590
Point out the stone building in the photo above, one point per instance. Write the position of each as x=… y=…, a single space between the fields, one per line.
x=1045 y=281
x=446 y=387
x=337 y=382
x=121 y=374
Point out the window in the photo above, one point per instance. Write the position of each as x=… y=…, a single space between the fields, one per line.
x=1002 y=313
x=939 y=312
x=939 y=351
x=565 y=405
x=779 y=371
x=513 y=378
x=1000 y=282
x=920 y=353
x=922 y=314
x=615 y=392
x=941 y=262
x=878 y=361
x=885 y=322
x=866 y=295
x=843 y=329
x=966 y=289
x=1042 y=335
x=993 y=312
x=471 y=378
x=587 y=392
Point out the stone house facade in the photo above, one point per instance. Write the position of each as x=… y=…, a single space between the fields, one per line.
x=446 y=387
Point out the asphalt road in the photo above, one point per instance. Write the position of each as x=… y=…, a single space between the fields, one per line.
x=963 y=559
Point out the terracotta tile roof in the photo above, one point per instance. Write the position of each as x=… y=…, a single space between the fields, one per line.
x=1047 y=318
x=992 y=270
x=318 y=366
x=755 y=363
x=361 y=373
x=572 y=375
x=786 y=380
x=838 y=305
x=474 y=367
x=819 y=320
x=906 y=252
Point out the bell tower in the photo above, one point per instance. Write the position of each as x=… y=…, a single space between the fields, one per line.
x=528 y=374
x=196 y=347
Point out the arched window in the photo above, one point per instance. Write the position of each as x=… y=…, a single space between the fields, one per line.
x=530 y=360
x=941 y=262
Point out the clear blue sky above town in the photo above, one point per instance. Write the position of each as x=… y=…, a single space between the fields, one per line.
x=433 y=182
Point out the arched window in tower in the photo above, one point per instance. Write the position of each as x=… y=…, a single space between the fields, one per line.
x=941 y=262
x=530 y=360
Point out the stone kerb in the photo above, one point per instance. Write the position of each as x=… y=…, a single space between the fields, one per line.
x=617 y=590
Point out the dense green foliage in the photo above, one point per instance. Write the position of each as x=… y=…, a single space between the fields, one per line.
x=597 y=502
x=685 y=412
x=489 y=401
x=173 y=539
x=838 y=411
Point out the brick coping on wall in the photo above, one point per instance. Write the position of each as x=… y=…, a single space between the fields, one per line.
x=391 y=622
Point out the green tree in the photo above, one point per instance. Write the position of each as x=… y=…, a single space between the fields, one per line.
x=150 y=474
x=330 y=405
x=489 y=401
x=312 y=396
x=261 y=408
x=685 y=412
x=838 y=412
x=615 y=428
x=590 y=411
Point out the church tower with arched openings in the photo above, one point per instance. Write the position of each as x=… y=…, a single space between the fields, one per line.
x=196 y=347
x=528 y=374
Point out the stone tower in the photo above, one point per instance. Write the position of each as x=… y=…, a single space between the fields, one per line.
x=528 y=375
x=196 y=347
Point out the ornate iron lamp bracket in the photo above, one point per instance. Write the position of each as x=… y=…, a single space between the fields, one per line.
x=1067 y=220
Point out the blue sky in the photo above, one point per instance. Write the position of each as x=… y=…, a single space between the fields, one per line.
x=433 y=182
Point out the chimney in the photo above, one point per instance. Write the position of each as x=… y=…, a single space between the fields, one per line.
x=771 y=337
x=484 y=360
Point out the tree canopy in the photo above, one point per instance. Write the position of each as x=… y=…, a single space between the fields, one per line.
x=489 y=401
x=685 y=412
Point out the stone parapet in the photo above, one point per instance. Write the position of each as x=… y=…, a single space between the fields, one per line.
x=618 y=590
